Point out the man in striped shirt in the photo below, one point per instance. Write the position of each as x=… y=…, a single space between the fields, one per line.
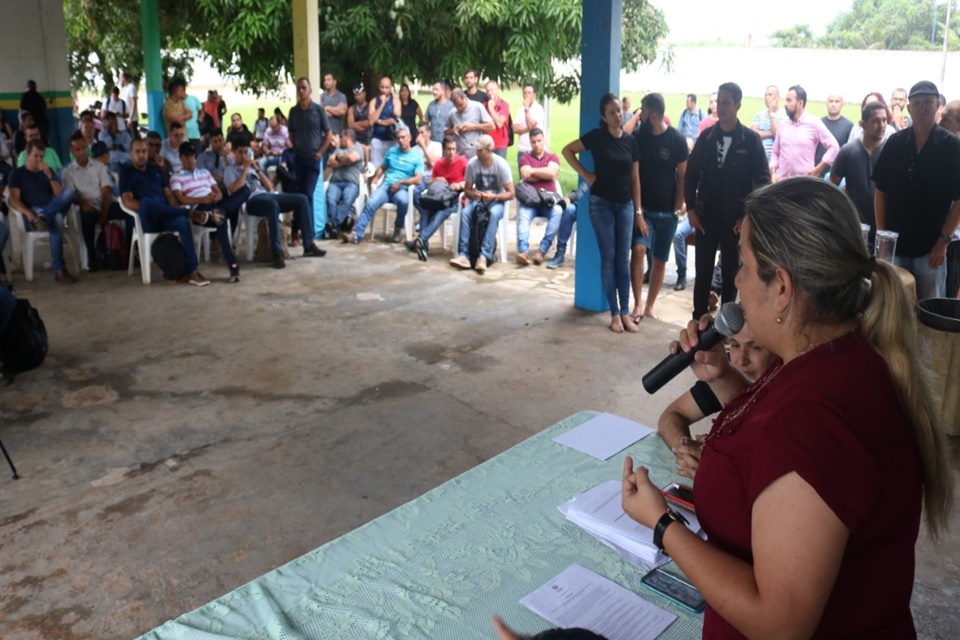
x=197 y=188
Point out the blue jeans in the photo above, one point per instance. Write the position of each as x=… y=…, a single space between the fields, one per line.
x=684 y=231
x=231 y=207
x=268 y=161
x=340 y=199
x=567 y=220
x=430 y=221
x=489 y=243
x=420 y=188
x=157 y=216
x=527 y=213
x=308 y=173
x=269 y=206
x=53 y=213
x=4 y=236
x=931 y=283
x=379 y=198
x=613 y=224
x=661 y=229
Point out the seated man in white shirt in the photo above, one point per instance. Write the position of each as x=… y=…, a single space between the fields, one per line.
x=197 y=188
x=93 y=186
x=170 y=149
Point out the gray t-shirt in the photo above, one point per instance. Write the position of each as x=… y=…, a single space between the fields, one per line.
x=492 y=179
x=350 y=172
x=854 y=164
x=474 y=113
x=231 y=173
x=326 y=100
x=309 y=129
x=437 y=115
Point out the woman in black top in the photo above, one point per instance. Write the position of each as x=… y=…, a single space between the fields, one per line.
x=614 y=199
x=410 y=111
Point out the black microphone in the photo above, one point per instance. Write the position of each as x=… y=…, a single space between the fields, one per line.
x=728 y=322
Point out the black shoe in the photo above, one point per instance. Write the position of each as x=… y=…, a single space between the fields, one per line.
x=681 y=284
x=278 y=261
x=646 y=278
x=347 y=225
x=420 y=249
x=235 y=272
x=313 y=251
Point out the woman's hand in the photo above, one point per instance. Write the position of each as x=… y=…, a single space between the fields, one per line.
x=642 y=226
x=504 y=632
x=640 y=499
x=688 y=457
x=707 y=365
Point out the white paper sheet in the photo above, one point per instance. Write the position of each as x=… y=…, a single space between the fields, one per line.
x=579 y=597
x=604 y=435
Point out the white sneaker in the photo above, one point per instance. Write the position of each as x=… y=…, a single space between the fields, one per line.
x=481 y=264
x=460 y=262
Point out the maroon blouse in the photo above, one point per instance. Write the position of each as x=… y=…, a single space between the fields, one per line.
x=832 y=416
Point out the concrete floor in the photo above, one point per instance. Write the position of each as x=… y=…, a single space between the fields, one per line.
x=179 y=442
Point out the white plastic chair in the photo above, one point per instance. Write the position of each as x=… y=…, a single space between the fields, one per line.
x=501 y=229
x=387 y=208
x=250 y=223
x=143 y=242
x=28 y=238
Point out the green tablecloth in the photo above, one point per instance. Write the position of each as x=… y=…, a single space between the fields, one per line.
x=439 y=566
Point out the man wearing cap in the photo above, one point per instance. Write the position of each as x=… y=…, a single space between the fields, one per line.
x=93 y=187
x=402 y=167
x=358 y=118
x=918 y=192
x=488 y=180
x=467 y=120
x=197 y=188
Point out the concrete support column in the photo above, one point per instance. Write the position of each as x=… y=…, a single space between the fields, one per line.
x=600 y=74
x=152 y=70
x=306 y=43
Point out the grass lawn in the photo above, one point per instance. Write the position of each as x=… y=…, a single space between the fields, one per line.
x=565 y=119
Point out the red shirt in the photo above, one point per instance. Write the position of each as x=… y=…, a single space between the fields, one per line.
x=833 y=417
x=212 y=110
x=529 y=160
x=500 y=136
x=452 y=172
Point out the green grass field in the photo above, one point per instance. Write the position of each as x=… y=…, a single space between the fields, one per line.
x=565 y=118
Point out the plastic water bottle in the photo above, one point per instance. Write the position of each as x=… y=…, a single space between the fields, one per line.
x=582 y=190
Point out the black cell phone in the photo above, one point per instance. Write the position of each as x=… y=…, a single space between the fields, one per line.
x=679 y=494
x=675 y=589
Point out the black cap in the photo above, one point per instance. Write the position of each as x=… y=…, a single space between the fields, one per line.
x=186 y=149
x=923 y=88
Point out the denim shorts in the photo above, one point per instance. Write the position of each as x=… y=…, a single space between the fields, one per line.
x=661 y=227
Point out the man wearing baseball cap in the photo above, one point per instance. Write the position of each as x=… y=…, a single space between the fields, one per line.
x=918 y=191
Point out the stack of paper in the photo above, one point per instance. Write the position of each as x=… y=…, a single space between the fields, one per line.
x=598 y=511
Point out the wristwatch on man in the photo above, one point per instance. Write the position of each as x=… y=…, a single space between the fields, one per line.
x=946 y=239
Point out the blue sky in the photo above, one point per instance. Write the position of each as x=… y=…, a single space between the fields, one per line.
x=735 y=20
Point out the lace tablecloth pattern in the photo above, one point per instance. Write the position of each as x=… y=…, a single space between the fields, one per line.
x=440 y=565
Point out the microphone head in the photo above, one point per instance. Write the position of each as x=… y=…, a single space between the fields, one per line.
x=729 y=319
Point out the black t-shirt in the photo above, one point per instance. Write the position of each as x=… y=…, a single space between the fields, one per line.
x=659 y=157
x=854 y=164
x=408 y=113
x=35 y=189
x=920 y=187
x=479 y=96
x=840 y=128
x=613 y=160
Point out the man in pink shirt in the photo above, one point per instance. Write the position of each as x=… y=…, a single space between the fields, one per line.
x=795 y=146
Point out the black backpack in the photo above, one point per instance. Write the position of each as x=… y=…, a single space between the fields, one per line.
x=169 y=256
x=478 y=228
x=438 y=196
x=111 y=248
x=23 y=344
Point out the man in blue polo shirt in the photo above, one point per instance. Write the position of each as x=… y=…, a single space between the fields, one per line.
x=402 y=167
x=144 y=189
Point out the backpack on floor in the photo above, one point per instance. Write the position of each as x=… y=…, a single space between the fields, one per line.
x=23 y=344
x=111 y=248
x=169 y=255
x=478 y=228
x=264 y=250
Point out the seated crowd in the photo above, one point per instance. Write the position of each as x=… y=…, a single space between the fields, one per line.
x=450 y=157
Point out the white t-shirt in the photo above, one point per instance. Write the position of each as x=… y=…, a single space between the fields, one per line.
x=537 y=114
x=119 y=107
x=127 y=94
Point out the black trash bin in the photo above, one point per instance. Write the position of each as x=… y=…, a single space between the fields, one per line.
x=938 y=338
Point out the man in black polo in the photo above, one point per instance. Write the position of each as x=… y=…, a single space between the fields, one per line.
x=310 y=136
x=726 y=164
x=918 y=192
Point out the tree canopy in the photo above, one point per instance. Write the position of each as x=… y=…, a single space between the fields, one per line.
x=916 y=25
x=252 y=40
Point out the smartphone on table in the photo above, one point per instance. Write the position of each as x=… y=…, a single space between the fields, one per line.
x=679 y=494
x=675 y=589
